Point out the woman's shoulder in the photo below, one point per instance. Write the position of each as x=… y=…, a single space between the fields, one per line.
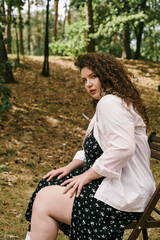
x=109 y=99
x=113 y=105
x=112 y=108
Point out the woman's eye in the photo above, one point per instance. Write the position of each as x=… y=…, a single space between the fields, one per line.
x=94 y=76
x=84 y=80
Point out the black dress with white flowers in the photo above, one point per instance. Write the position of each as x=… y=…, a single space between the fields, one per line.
x=92 y=219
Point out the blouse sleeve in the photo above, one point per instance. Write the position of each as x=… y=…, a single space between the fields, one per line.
x=117 y=127
x=80 y=155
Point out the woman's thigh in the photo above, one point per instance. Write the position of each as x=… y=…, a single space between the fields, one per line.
x=53 y=202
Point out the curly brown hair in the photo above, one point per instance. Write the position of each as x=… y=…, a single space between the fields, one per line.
x=115 y=79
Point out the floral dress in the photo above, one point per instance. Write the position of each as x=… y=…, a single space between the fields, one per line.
x=92 y=219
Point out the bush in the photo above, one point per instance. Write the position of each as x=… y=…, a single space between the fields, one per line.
x=5 y=95
x=74 y=41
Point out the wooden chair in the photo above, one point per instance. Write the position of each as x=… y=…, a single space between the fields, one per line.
x=146 y=220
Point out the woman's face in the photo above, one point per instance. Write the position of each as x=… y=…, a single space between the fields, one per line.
x=92 y=83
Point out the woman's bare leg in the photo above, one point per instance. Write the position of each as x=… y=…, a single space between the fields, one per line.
x=50 y=207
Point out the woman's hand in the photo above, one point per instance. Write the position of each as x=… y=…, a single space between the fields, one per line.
x=76 y=183
x=63 y=171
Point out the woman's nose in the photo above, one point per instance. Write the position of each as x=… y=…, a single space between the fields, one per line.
x=89 y=83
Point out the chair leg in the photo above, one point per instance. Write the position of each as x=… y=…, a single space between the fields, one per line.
x=145 y=234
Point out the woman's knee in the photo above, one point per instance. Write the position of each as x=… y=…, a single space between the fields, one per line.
x=48 y=197
x=52 y=202
x=42 y=200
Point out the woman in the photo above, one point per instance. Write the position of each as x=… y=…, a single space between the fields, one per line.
x=108 y=183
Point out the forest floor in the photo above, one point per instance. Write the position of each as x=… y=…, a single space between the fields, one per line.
x=46 y=126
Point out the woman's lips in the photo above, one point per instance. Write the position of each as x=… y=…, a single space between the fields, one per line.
x=92 y=91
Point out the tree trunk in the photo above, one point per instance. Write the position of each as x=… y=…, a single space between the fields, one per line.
x=139 y=31
x=29 y=27
x=64 y=23
x=126 y=52
x=56 y=20
x=38 y=39
x=45 y=71
x=2 y=5
x=5 y=67
x=21 y=33
x=69 y=16
x=17 y=42
x=139 y=39
x=8 y=30
x=90 y=24
x=64 y=20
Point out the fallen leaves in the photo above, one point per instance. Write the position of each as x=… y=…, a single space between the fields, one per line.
x=52 y=121
x=45 y=128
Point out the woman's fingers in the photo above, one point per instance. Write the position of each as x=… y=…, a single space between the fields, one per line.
x=52 y=174
x=70 y=185
x=79 y=190
x=47 y=175
x=61 y=175
x=73 y=190
x=67 y=181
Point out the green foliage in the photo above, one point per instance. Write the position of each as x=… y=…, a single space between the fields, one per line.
x=110 y=18
x=18 y=3
x=74 y=41
x=116 y=23
x=5 y=95
x=113 y=48
x=151 y=46
x=77 y=3
x=7 y=66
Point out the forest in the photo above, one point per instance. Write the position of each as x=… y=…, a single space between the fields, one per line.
x=41 y=125
x=126 y=29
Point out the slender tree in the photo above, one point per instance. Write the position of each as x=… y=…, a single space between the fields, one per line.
x=45 y=71
x=69 y=15
x=90 y=24
x=38 y=39
x=139 y=32
x=126 y=49
x=139 y=29
x=21 y=32
x=8 y=26
x=64 y=20
x=5 y=66
x=17 y=41
x=29 y=27
x=56 y=19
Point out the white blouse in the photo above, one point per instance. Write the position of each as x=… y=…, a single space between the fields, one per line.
x=121 y=134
